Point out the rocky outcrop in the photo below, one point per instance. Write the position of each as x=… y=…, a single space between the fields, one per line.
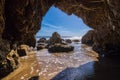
x=20 y=20
x=57 y=44
x=9 y=63
x=76 y=40
x=41 y=43
x=41 y=46
x=60 y=48
x=88 y=38
x=56 y=38
x=68 y=41
x=42 y=40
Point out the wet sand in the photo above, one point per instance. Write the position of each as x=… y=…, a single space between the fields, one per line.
x=76 y=65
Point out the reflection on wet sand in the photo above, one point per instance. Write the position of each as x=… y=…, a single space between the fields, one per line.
x=81 y=64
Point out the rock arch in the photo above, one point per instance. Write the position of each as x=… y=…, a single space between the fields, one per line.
x=20 y=20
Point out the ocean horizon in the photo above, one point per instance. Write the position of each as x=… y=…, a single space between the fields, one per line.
x=63 y=37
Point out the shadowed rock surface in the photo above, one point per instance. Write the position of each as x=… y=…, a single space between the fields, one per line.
x=41 y=43
x=60 y=48
x=42 y=40
x=20 y=20
x=9 y=63
x=56 y=38
x=23 y=50
x=56 y=44
x=68 y=41
x=88 y=38
x=41 y=46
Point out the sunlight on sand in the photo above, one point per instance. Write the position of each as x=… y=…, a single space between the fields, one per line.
x=46 y=65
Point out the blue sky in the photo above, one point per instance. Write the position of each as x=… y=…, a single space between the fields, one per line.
x=57 y=21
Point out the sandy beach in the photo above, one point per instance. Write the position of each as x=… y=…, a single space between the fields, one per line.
x=47 y=65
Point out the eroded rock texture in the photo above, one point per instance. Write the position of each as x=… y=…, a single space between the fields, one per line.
x=88 y=38
x=20 y=20
x=101 y=15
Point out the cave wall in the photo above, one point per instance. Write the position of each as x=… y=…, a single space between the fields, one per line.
x=103 y=16
x=20 y=20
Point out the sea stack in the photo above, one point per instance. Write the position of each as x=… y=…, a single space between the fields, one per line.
x=56 y=45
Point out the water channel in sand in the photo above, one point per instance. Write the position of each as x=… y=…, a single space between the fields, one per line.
x=47 y=65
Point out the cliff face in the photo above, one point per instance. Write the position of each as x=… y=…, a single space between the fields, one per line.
x=21 y=19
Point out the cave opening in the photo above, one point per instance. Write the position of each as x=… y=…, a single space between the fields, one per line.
x=66 y=25
x=21 y=20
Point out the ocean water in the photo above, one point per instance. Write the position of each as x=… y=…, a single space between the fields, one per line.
x=63 y=37
x=81 y=64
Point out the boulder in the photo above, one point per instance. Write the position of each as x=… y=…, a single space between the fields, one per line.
x=60 y=48
x=56 y=38
x=68 y=41
x=41 y=46
x=76 y=40
x=42 y=40
x=9 y=63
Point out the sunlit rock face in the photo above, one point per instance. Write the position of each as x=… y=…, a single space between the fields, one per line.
x=20 y=19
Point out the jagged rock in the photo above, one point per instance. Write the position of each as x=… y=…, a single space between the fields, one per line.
x=56 y=44
x=5 y=68
x=88 y=38
x=68 y=41
x=9 y=63
x=60 y=48
x=56 y=38
x=42 y=40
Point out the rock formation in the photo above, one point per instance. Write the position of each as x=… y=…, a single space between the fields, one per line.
x=20 y=20
x=23 y=50
x=88 y=38
x=42 y=40
x=8 y=63
x=56 y=44
x=60 y=48
x=41 y=46
x=56 y=38
x=68 y=41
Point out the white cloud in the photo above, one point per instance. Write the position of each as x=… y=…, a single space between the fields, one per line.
x=52 y=26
